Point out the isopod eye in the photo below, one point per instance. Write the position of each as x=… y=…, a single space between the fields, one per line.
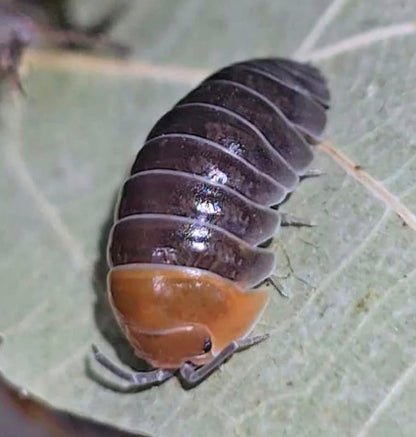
x=207 y=345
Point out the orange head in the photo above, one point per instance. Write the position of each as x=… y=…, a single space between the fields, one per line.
x=175 y=314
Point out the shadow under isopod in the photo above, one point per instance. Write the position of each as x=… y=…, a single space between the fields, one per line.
x=103 y=315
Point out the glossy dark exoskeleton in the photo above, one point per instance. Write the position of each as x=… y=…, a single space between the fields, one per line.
x=184 y=249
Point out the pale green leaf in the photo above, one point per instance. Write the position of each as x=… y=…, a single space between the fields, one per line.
x=341 y=359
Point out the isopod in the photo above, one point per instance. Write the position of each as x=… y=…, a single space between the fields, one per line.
x=184 y=251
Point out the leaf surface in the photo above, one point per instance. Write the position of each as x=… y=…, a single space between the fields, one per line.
x=341 y=359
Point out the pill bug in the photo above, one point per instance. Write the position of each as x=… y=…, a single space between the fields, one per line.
x=184 y=249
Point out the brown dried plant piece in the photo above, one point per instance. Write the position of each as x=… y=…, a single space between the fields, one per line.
x=16 y=33
x=56 y=15
x=22 y=415
x=25 y=23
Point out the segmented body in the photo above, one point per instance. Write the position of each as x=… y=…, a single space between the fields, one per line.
x=200 y=190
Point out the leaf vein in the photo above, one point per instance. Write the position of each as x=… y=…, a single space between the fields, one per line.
x=330 y=13
x=48 y=212
x=89 y=64
x=371 y=184
x=27 y=320
x=331 y=276
x=394 y=391
x=361 y=40
x=371 y=312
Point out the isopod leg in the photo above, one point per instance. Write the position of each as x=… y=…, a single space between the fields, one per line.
x=287 y=219
x=136 y=379
x=193 y=376
x=274 y=281
x=313 y=173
